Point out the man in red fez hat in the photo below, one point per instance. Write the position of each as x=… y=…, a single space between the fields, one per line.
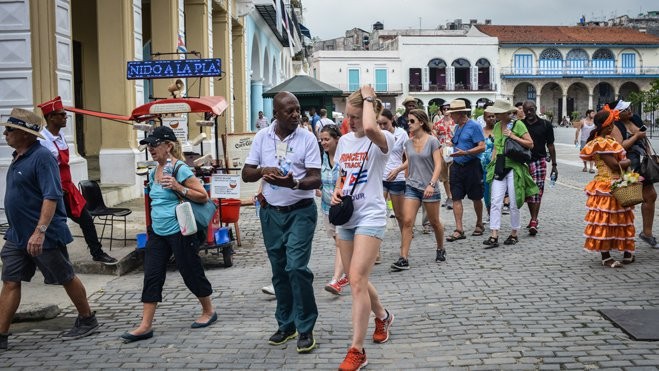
x=53 y=111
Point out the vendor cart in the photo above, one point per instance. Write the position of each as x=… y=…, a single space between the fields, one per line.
x=219 y=240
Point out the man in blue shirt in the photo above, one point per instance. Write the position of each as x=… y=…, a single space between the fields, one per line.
x=37 y=234
x=466 y=175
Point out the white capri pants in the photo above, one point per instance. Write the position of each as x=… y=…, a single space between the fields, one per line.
x=498 y=192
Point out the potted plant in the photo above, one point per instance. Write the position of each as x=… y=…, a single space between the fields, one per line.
x=576 y=116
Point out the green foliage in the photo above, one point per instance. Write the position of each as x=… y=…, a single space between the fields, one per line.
x=478 y=111
x=575 y=115
x=649 y=99
x=432 y=109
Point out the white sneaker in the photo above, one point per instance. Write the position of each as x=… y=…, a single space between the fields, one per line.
x=270 y=290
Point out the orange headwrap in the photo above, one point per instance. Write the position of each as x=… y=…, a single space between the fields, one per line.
x=614 y=115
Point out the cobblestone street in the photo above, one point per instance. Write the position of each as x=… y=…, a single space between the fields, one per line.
x=530 y=306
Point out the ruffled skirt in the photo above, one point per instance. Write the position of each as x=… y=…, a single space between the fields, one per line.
x=609 y=226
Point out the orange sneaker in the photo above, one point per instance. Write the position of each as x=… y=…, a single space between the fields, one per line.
x=381 y=333
x=354 y=360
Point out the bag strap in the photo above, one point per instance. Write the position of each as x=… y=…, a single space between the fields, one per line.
x=360 y=169
x=176 y=167
x=649 y=150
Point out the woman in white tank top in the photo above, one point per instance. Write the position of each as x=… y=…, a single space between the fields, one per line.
x=581 y=137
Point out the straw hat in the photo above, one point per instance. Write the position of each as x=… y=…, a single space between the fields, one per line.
x=24 y=120
x=458 y=105
x=409 y=100
x=501 y=106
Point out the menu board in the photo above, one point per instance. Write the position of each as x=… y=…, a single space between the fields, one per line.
x=225 y=186
x=237 y=149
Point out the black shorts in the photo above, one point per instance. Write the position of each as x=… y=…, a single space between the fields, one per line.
x=18 y=265
x=466 y=180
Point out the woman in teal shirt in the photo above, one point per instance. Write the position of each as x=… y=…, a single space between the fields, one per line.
x=166 y=238
x=509 y=176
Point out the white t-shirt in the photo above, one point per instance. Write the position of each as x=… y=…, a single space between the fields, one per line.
x=370 y=209
x=301 y=149
x=396 y=154
x=53 y=142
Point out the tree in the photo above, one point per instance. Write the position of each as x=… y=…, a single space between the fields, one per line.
x=649 y=99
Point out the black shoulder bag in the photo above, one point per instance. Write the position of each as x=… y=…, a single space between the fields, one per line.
x=515 y=151
x=340 y=213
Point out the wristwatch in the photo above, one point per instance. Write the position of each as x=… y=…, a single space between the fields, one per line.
x=42 y=228
x=369 y=99
x=296 y=185
x=184 y=192
x=432 y=184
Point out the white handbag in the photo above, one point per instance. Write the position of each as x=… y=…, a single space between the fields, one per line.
x=447 y=151
x=185 y=218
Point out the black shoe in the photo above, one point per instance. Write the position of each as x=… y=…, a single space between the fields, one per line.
x=440 y=255
x=104 y=258
x=280 y=337
x=4 y=341
x=127 y=337
x=83 y=327
x=401 y=264
x=505 y=210
x=306 y=343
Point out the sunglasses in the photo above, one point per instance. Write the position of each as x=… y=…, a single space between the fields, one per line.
x=61 y=114
x=154 y=145
x=412 y=121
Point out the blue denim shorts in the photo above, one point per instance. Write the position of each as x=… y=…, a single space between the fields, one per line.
x=395 y=188
x=348 y=234
x=417 y=194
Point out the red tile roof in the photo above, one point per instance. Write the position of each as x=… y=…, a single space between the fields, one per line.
x=567 y=35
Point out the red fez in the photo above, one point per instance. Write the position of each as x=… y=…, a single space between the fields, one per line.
x=52 y=105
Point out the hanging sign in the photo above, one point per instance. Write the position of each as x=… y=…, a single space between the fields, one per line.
x=165 y=69
x=225 y=186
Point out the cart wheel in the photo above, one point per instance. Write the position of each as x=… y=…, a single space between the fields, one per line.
x=227 y=255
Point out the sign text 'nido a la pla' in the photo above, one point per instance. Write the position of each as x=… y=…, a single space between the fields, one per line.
x=164 y=69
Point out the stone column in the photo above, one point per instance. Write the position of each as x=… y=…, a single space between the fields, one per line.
x=590 y=100
x=222 y=49
x=116 y=35
x=564 y=107
x=164 y=38
x=256 y=102
x=238 y=67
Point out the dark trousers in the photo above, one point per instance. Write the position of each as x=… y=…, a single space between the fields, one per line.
x=287 y=237
x=86 y=223
x=185 y=249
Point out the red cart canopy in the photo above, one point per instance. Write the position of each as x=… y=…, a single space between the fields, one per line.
x=215 y=105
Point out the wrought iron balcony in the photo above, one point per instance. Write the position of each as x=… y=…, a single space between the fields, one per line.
x=582 y=71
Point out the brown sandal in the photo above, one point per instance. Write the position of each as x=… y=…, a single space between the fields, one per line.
x=611 y=263
x=460 y=236
x=478 y=231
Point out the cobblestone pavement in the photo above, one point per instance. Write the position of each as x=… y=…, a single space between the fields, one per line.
x=529 y=306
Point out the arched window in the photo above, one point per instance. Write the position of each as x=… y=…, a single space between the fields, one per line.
x=437 y=74
x=462 y=74
x=550 y=62
x=482 y=63
x=576 y=62
x=603 y=62
x=483 y=66
x=437 y=63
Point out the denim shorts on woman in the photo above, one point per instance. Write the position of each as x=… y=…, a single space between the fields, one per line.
x=395 y=188
x=417 y=194
x=348 y=234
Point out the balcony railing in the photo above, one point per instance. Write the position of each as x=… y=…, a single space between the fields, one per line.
x=389 y=88
x=581 y=71
x=457 y=87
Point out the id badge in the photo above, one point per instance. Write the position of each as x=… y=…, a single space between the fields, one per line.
x=281 y=150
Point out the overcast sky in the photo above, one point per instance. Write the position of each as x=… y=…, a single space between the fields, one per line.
x=329 y=19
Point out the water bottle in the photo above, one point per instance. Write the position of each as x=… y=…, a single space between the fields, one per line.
x=257 y=205
x=285 y=166
x=169 y=168
x=510 y=125
x=552 y=179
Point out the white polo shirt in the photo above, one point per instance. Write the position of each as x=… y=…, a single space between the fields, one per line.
x=301 y=150
x=50 y=141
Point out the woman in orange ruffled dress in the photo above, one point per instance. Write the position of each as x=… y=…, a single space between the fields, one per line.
x=609 y=226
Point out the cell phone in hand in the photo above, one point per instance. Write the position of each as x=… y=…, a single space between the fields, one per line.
x=643 y=128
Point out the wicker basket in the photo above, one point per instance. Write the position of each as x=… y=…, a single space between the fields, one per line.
x=630 y=195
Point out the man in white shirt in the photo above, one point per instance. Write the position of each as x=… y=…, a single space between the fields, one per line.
x=262 y=121
x=55 y=115
x=286 y=157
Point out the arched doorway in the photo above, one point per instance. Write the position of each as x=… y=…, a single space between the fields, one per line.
x=523 y=92
x=437 y=74
x=483 y=66
x=461 y=73
x=433 y=107
x=603 y=93
x=577 y=99
x=551 y=101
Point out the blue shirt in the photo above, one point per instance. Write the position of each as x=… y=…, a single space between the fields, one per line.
x=32 y=178
x=164 y=201
x=328 y=175
x=465 y=138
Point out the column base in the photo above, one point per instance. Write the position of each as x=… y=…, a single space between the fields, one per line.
x=118 y=168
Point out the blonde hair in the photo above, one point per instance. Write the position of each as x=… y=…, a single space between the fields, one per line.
x=176 y=149
x=356 y=100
